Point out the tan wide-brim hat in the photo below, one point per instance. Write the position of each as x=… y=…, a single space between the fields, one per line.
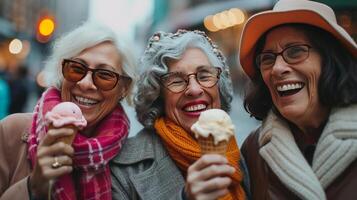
x=286 y=12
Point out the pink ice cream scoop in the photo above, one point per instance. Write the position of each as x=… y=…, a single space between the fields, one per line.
x=66 y=114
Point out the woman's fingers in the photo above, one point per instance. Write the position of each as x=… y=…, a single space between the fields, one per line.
x=52 y=167
x=54 y=134
x=58 y=148
x=211 y=185
x=213 y=171
x=211 y=189
x=208 y=177
x=209 y=166
x=62 y=160
x=207 y=160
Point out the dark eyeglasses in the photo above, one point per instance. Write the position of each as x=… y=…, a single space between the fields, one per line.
x=177 y=82
x=105 y=80
x=291 y=55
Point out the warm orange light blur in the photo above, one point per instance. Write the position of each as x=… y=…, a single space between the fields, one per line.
x=208 y=22
x=46 y=27
x=224 y=19
x=238 y=15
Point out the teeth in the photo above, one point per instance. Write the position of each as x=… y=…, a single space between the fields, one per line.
x=85 y=101
x=286 y=87
x=195 y=107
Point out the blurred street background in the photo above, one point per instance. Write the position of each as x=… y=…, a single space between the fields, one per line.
x=29 y=27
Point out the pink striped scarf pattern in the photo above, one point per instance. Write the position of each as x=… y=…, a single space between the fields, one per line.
x=91 y=176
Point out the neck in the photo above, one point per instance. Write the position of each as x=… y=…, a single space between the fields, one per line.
x=311 y=129
x=310 y=135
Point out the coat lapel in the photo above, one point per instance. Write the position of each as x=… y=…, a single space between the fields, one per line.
x=279 y=150
x=335 y=151
x=337 y=146
x=162 y=179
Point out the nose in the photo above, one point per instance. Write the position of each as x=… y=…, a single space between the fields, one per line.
x=280 y=67
x=87 y=82
x=193 y=87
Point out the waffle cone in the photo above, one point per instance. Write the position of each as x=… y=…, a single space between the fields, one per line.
x=208 y=147
x=67 y=139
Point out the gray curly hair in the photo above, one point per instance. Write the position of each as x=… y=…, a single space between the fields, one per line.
x=149 y=104
x=85 y=36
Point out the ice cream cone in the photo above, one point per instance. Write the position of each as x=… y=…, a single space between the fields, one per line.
x=213 y=130
x=66 y=115
x=208 y=147
x=68 y=139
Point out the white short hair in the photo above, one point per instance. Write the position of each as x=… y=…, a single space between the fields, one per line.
x=85 y=36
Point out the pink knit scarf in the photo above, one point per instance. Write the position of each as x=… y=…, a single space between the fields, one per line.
x=91 y=175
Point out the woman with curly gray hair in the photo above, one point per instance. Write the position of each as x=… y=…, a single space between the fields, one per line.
x=184 y=74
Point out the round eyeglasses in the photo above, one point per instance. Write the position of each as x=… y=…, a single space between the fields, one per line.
x=105 y=80
x=291 y=55
x=177 y=82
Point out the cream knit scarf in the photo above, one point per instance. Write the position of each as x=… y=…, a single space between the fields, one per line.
x=335 y=151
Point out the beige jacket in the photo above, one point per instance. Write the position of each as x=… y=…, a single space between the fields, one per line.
x=14 y=165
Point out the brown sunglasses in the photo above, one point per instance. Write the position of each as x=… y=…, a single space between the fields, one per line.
x=104 y=79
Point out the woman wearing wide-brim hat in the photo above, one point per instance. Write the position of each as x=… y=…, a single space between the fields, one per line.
x=304 y=75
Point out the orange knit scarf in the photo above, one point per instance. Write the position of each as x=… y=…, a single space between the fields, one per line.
x=184 y=150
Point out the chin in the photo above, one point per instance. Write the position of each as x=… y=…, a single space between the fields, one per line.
x=291 y=114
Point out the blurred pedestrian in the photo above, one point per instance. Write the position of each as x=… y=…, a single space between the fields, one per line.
x=4 y=98
x=19 y=89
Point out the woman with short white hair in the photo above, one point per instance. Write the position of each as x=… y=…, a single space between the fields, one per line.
x=90 y=68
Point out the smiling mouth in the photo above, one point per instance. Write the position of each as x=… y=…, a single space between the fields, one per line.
x=195 y=108
x=85 y=101
x=289 y=89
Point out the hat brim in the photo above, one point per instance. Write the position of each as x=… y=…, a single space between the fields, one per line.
x=260 y=23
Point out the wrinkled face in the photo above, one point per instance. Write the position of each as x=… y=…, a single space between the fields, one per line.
x=293 y=87
x=95 y=103
x=185 y=107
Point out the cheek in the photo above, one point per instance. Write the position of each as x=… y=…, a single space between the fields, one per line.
x=313 y=77
x=216 y=100
x=170 y=103
x=111 y=99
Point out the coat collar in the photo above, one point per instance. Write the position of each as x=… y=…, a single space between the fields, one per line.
x=334 y=152
x=162 y=179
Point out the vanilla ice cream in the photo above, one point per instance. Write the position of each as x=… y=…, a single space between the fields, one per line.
x=214 y=122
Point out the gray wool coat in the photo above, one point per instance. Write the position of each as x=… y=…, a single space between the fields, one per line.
x=144 y=170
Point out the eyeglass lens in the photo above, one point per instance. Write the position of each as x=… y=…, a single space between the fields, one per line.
x=177 y=82
x=104 y=79
x=291 y=55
